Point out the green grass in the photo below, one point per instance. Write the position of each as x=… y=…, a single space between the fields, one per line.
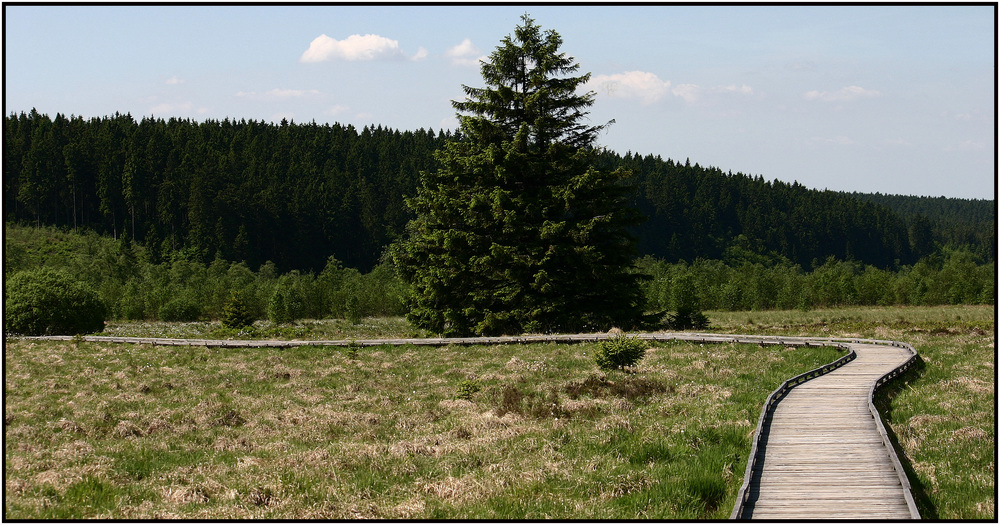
x=501 y=432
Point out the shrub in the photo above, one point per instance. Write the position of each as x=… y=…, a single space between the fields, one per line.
x=236 y=313
x=180 y=309
x=49 y=302
x=686 y=318
x=284 y=305
x=353 y=309
x=619 y=352
x=467 y=388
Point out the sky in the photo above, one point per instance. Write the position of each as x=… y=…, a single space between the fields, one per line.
x=892 y=99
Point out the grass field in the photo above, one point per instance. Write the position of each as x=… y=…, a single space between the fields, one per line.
x=501 y=432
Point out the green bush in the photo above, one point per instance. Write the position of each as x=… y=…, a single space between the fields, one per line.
x=467 y=389
x=687 y=318
x=49 y=302
x=619 y=352
x=180 y=309
x=286 y=303
x=236 y=314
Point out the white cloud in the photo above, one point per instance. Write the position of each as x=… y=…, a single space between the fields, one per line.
x=968 y=145
x=641 y=85
x=333 y=111
x=899 y=142
x=177 y=108
x=355 y=47
x=421 y=54
x=743 y=90
x=689 y=92
x=166 y=107
x=175 y=80
x=649 y=88
x=448 y=123
x=288 y=93
x=844 y=94
x=465 y=54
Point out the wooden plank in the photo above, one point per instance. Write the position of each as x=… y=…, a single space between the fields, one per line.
x=823 y=456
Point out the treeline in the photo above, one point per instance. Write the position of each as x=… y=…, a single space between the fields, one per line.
x=948 y=277
x=296 y=194
x=697 y=212
x=944 y=221
x=249 y=191
x=133 y=287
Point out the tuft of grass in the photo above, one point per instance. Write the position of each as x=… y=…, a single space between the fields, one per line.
x=467 y=389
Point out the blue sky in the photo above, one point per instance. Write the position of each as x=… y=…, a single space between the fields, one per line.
x=891 y=99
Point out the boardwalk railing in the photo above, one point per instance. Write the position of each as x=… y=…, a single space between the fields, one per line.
x=896 y=372
x=440 y=341
x=756 y=457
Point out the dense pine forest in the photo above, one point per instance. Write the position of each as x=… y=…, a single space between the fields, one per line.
x=296 y=194
x=166 y=219
x=944 y=221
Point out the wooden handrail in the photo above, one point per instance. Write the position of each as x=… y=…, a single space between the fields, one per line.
x=772 y=400
x=768 y=411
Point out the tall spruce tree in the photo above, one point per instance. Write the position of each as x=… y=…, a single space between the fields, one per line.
x=517 y=231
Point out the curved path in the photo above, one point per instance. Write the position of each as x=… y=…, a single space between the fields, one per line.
x=824 y=453
x=820 y=450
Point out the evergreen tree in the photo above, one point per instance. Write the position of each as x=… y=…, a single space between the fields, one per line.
x=518 y=230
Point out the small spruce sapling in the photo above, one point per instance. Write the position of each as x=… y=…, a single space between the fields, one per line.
x=620 y=352
x=236 y=313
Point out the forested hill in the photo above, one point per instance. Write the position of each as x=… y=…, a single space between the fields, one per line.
x=953 y=221
x=296 y=194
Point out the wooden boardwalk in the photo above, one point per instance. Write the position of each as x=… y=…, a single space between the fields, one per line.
x=824 y=455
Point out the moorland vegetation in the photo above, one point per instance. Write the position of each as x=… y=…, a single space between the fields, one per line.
x=96 y=430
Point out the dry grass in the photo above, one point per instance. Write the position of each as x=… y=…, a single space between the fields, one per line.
x=143 y=432
x=140 y=432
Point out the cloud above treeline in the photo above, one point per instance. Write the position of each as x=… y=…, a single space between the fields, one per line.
x=465 y=54
x=648 y=88
x=357 y=47
x=641 y=85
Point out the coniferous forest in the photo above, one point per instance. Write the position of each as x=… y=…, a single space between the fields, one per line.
x=295 y=194
x=254 y=201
